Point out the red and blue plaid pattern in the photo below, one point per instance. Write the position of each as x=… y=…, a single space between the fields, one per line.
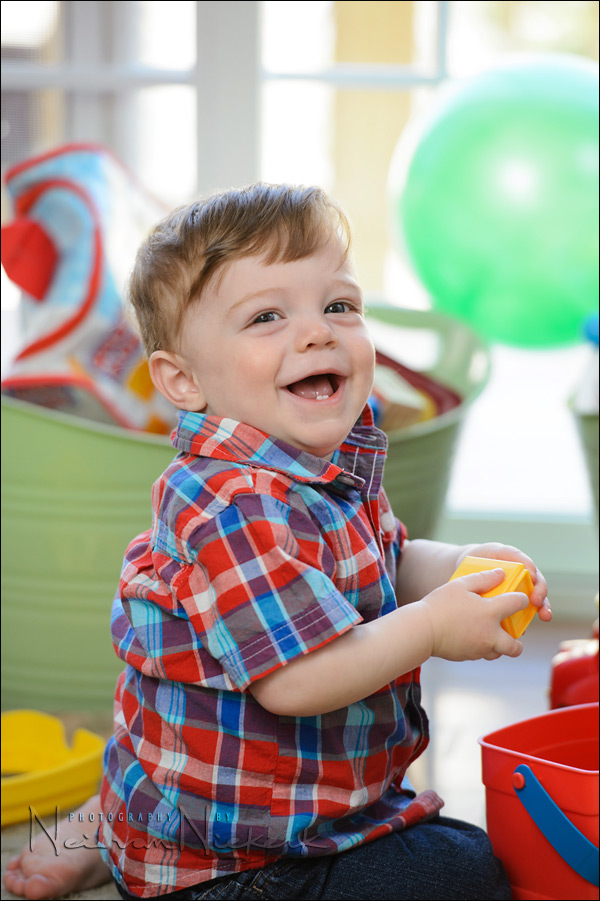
x=258 y=553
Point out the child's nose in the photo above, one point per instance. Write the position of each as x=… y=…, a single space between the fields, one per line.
x=313 y=332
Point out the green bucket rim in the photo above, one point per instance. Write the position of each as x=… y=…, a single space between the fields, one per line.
x=79 y=424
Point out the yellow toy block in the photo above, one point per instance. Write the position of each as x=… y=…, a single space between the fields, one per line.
x=517 y=579
x=39 y=769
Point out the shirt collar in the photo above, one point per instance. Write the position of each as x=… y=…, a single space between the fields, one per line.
x=227 y=439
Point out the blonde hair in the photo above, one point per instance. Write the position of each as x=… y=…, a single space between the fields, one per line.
x=188 y=248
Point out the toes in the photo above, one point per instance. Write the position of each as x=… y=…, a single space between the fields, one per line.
x=39 y=887
x=34 y=888
x=14 y=883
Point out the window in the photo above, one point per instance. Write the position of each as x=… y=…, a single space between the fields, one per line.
x=197 y=96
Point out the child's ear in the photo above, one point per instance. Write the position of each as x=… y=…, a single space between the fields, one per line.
x=175 y=381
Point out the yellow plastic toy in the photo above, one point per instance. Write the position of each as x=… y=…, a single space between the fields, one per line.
x=517 y=579
x=39 y=769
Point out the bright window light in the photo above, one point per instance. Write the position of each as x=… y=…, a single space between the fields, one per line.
x=28 y=24
x=166 y=36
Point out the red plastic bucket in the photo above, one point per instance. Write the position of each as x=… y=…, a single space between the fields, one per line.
x=541 y=779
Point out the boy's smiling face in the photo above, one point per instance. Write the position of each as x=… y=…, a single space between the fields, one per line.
x=282 y=347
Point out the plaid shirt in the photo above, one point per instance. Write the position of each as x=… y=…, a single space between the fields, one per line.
x=258 y=553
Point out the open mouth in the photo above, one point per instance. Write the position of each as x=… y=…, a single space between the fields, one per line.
x=316 y=387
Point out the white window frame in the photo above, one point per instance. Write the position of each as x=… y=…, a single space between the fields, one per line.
x=98 y=91
x=228 y=77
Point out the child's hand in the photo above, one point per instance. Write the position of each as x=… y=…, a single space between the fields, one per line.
x=497 y=551
x=466 y=626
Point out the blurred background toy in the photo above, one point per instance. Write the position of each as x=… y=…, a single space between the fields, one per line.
x=79 y=217
x=407 y=396
x=40 y=772
x=495 y=200
x=401 y=405
x=575 y=671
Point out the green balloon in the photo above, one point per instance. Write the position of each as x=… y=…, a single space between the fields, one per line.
x=497 y=206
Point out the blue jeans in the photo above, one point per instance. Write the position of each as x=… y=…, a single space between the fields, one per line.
x=442 y=858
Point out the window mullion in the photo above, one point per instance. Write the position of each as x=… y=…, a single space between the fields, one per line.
x=123 y=110
x=226 y=81
x=85 y=28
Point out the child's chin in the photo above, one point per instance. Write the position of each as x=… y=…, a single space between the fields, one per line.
x=322 y=448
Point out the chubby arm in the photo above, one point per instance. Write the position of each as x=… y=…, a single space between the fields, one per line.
x=423 y=566
x=371 y=655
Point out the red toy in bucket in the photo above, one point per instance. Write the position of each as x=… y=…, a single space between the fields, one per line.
x=541 y=779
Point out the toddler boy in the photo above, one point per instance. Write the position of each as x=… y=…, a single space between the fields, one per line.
x=274 y=617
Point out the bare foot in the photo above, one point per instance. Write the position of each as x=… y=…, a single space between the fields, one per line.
x=51 y=867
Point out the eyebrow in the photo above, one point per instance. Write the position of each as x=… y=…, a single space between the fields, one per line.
x=253 y=295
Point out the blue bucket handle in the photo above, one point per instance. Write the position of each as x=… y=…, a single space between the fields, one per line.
x=566 y=839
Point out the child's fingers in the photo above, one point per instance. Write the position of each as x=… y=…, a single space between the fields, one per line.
x=506 y=605
x=483 y=581
x=539 y=595
x=540 y=590
x=545 y=611
x=514 y=554
x=505 y=646
x=509 y=603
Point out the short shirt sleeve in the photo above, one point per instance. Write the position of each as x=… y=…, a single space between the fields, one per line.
x=260 y=591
